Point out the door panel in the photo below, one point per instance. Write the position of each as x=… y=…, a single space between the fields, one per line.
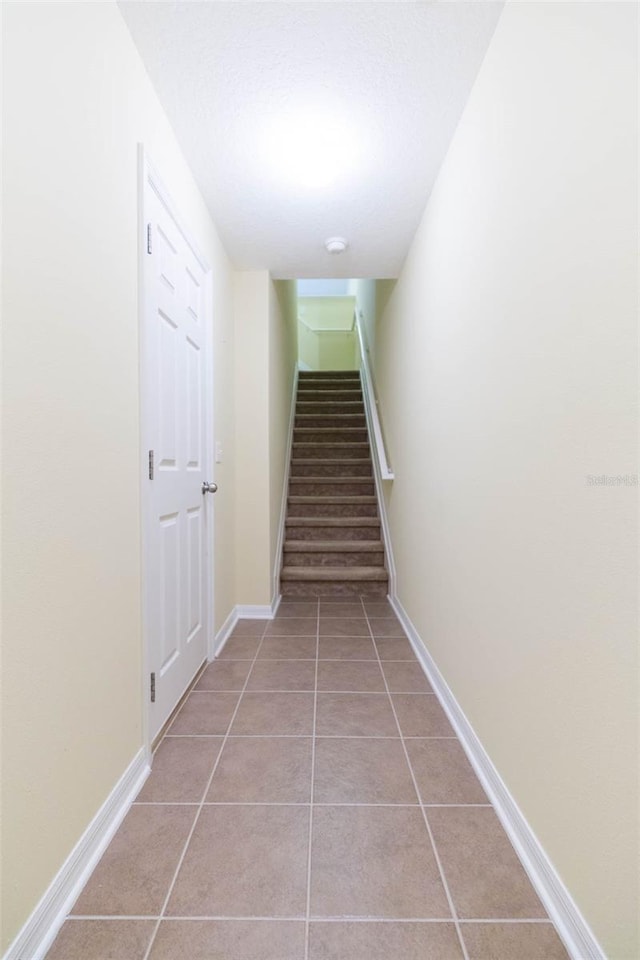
x=177 y=571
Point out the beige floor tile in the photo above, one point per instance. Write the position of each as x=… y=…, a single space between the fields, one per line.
x=345 y=675
x=347 y=648
x=342 y=599
x=263 y=770
x=383 y=941
x=343 y=627
x=378 y=608
x=134 y=874
x=181 y=768
x=102 y=940
x=420 y=715
x=246 y=861
x=239 y=648
x=205 y=714
x=405 y=677
x=224 y=675
x=295 y=608
x=283 y=675
x=387 y=627
x=394 y=648
x=288 y=648
x=229 y=940
x=506 y=941
x=484 y=875
x=274 y=714
x=355 y=715
x=249 y=628
x=362 y=771
x=443 y=773
x=374 y=862
x=345 y=608
x=293 y=627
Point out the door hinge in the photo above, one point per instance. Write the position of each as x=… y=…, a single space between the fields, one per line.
x=153 y=688
x=149 y=238
x=151 y=465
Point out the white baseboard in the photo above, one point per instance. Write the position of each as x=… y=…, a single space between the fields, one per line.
x=572 y=927
x=251 y=611
x=223 y=634
x=43 y=925
x=243 y=611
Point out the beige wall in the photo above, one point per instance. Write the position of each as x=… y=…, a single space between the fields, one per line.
x=327 y=313
x=326 y=340
x=506 y=367
x=76 y=103
x=327 y=349
x=308 y=348
x=251 y=310
x=364 y=292
x=266 y=351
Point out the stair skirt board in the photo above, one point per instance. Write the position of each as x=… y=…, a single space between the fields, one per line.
x=332 y=543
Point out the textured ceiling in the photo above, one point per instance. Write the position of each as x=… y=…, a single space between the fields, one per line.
x=374 y=90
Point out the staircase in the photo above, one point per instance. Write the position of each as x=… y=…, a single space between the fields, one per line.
x=333 y=546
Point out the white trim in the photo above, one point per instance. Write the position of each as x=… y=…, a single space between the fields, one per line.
x=572 y=927
x=43 y=925
x=371 y=406
x=148 y=178
x=320 y=330
x=223 y=634
x=382 y=504
x=386 y=530
x=255 y=611
x=277 y=564
x=245 y=611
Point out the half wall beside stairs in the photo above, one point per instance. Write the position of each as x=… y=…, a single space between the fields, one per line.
x=333 y=544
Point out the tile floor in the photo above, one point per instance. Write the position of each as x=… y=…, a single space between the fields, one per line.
x=310 y=802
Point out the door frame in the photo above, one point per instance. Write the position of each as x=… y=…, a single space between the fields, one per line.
x=148 y=179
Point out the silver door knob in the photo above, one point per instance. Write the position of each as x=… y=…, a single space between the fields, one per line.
x=209 y=487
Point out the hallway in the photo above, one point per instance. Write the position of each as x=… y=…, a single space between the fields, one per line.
x=319 y=723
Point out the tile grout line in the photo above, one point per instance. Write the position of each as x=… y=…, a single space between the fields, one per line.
x=304 y=803
x=540 y=921
x=381 y=693
x=295 y=736
x=443 y=878
x=201 y=805
x=307 y=928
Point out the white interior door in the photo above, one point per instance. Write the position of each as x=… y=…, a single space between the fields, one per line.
x=175 y=430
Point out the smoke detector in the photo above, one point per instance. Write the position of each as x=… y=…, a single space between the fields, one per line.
x=335 y=245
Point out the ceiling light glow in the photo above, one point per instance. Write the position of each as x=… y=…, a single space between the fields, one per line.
x=312 y=150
